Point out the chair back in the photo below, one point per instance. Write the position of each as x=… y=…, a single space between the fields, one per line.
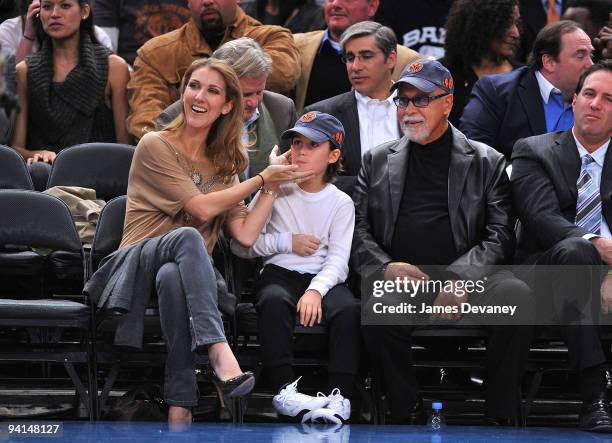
x=104 y=167
x=108 y=232
x=34 y=219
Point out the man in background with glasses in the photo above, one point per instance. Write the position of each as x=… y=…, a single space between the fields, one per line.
x=369 y=51
x=322 y=70
x=436 y=206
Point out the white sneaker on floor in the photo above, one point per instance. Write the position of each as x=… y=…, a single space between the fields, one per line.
x=337 y=411
x=290 y=403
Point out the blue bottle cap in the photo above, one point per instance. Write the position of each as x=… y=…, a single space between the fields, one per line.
x=436 y=405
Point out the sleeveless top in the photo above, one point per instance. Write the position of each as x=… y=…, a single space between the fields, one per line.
x=73 y=111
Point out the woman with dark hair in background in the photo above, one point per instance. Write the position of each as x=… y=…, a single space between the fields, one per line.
x=19 y=36
x=481 y=39
x=73 y=90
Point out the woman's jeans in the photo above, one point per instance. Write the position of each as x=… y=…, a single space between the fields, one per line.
x=190 y=320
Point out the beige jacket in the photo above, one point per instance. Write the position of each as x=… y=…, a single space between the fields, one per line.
x=84 y=207
x=308 y=45
x=162 y=61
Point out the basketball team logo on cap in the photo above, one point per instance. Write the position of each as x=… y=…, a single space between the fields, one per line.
x=339 y=137
x=448 y=82
x=308 y=117
x=415 y=67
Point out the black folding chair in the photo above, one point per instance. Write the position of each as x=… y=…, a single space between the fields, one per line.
x=38 y=220
x=106 y=240
x=104 y=167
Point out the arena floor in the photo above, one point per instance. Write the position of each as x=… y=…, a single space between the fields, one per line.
x=253 y=433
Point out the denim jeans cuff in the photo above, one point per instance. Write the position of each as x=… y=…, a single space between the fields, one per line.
x=202 y=345
x=184 y=403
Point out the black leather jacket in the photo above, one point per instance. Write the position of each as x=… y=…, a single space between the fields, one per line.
x=479 y=203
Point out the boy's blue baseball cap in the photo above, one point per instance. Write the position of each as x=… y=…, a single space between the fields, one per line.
x=318 y=127
x=426 y=76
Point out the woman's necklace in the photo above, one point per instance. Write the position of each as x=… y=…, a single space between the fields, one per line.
x=203 y=186
x=194 y=172
x=196 y=177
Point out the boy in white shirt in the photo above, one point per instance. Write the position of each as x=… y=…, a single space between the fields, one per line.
x=305 y=247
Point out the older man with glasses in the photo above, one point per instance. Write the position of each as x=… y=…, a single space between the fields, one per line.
x=435 y=207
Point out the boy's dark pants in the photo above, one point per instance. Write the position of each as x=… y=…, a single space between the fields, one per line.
x=278 y=292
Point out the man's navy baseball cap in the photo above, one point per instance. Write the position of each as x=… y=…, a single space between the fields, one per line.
x=318 y=127
x=426 y=76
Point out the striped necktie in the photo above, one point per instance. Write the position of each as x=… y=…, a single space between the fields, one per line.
x=552 y=11
x=588 y=206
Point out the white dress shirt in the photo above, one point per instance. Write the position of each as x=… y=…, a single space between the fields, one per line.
x=377 y=121
x=546 y=87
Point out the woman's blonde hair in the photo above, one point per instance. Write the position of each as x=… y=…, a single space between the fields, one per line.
x=223 y=144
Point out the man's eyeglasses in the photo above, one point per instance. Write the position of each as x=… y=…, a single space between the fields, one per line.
x=420 y=101
x=363 y=56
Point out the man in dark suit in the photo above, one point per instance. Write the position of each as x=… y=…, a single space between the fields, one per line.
x=562 y=189
x=367 y=112
x=435 y=206
x=530 y=100
x=266 y=114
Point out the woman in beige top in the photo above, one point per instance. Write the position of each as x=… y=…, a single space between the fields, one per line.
x=182 y=189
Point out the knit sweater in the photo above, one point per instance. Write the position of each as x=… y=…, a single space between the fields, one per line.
x=71 y=112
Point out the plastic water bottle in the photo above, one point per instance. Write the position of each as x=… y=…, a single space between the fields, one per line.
x=436 y=420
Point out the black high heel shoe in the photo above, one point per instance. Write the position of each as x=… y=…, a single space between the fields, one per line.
x=238 y=386
x=230 y=393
